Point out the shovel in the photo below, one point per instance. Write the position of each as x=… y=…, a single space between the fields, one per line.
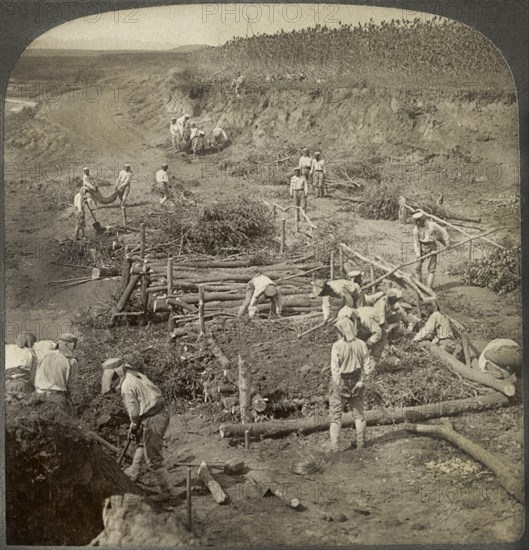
x=124 y=452
x=96 y=225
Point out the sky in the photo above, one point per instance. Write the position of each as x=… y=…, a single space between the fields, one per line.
x=168 y=27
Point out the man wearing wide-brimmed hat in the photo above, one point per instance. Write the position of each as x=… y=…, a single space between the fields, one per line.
x=58 y=371
x=426 y=235
x=261 y=287
x=148 y=415
x=351 y=364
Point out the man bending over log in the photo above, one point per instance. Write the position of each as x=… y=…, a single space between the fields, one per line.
x=345 y=290
x=259 y=288
x=367 y=328
x=438 y=329
x=351 y=364
x=149 y=419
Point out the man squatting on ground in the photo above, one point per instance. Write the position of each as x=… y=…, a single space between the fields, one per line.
x=148 y=415
x=58 y=371
x=260 y=287
x=299 y=189
x=351 y=364
x=426 y=235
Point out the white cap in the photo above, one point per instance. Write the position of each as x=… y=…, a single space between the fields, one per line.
x=353 y=274
x=317 y=153
x=187 y=116
x=418 y=215
x=85 y=168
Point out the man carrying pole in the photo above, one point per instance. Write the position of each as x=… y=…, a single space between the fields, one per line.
x=426 y=235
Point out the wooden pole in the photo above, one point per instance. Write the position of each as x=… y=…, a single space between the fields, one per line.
x=170 y=321
x=372 y=271
x=244 y=389
x=509 y=476
x=144 y=279
x=274 y=212
x=142 y=241
x=283 y=237
x=426 y=256
x=452 y=226
x=340 y=255
x=188 y=496
x=276 y=428
x=470 y=251
x=201 y=320
x=455 y=365
x=331 y=266
x=296 y=219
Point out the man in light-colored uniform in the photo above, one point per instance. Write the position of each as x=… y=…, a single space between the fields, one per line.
x=58 y=371
x=197 y=138
x=363 y=299
x=162 y=183
x=123 y=188
x=219 y=136
x=174 y=130
x=260 y=287
x=317 y=174
x=438 y=330
x=182 y=123
x=342 y=289
x=148 y=415
x=299 y=189
x=351 y=365
x=20 y=364
x=426 y=235
x=305 y=164
x=367 y=328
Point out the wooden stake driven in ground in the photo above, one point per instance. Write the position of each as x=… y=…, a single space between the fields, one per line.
x=503 y=386
x=245 y=381
x=508 y=475
x=212 y=484
x=275 y=428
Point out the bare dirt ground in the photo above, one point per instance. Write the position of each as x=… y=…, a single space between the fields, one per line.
x=400 y=489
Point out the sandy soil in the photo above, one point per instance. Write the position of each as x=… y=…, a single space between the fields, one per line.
x=394 y=491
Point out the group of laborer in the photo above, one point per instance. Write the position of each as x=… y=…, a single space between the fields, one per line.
x=309 y=171
x=50 y=369
x=364 y=323
x=185 y=134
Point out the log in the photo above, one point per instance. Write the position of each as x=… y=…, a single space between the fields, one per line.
x=245 y=381
x=201 y=320
x=103 y=442
x=513 y=484
x=98 y=272
x=431 y=254
x=170 y=320
x=470 y=374
x=218 y=353
x=134 y=279
x=275 y=428
x=212 y=484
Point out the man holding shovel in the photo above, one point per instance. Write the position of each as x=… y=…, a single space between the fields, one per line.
x=149 y=419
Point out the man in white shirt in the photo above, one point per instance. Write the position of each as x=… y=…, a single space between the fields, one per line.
x=174 y=130
x=58 y=371
x=219 y=137
x=123 y=189
x=197 y=138
x=182 y=123
x=299 y=189
x=317 y=173
x=305 y=163
x=259 y=287
x=162 y=181
x=89 y=187
x=20 y=364
x=426 y=235
x=149 y=419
